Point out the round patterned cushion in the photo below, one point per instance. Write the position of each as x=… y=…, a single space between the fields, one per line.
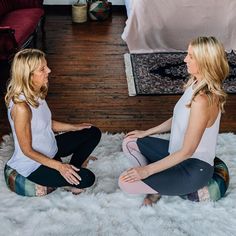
x=216 y=186
x=22 y=186
x=99 y=10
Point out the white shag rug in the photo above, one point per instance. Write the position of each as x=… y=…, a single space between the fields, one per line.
x=105 y=210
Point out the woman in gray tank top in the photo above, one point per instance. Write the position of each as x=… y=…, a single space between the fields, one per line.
x=185 y=163
x=38 y=152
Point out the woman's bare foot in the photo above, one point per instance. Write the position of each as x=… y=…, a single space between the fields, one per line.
x=151 y=199
x=73 y=190
x=85 y=164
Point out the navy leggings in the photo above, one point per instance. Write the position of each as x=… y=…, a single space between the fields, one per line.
x=186 y=177
x=78 y=143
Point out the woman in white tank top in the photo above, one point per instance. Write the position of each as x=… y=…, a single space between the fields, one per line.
x=185 y=163
x=37 y=154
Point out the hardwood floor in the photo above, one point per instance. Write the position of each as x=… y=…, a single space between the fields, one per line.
x=88 y=84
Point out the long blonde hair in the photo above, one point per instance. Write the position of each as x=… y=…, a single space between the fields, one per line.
x=23 y=66
x=213 y=66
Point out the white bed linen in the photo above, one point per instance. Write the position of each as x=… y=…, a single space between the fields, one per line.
x=128 y=4
x=169 y=25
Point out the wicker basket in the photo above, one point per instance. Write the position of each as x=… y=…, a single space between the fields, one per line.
x=79 y=13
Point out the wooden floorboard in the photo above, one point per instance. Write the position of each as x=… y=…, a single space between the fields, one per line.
x=88 y=84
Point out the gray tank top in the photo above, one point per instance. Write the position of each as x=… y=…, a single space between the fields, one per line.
x=43 y=139
x=207 y=146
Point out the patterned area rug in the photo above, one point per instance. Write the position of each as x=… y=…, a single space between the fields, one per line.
x=165 y=73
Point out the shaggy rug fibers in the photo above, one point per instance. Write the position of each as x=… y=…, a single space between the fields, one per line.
x=105 y=210
x=165 y=73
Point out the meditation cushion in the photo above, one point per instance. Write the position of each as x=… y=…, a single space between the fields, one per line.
x=216 y=186
x=99 y=10
x=22 y=186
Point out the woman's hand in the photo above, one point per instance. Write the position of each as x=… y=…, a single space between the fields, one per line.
x=135 y=174
x=136 y=134
x=81 y=126
x=69 y=173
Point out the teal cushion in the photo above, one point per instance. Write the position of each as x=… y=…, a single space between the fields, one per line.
x=216 y=187
x=22 y=186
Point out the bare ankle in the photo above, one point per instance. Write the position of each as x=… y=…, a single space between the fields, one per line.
x=73 y=190
x=151 y=199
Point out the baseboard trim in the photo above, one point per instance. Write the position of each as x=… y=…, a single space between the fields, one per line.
x=66 y=9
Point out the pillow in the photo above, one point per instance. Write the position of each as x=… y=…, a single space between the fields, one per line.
x=22 y=186
x=216 y=187
x=99 y=10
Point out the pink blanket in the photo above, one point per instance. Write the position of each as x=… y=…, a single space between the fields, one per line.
x=169 y=25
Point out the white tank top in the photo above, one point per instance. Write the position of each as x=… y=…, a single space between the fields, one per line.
x=207 y=146
x=43 y=139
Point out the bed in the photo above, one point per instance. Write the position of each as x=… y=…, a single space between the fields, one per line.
x=169 y=25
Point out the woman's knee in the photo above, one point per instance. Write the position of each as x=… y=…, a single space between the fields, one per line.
x=137 y=187
x=87 y=178
x=128 y=143
x=96 y=133
x=123 y=185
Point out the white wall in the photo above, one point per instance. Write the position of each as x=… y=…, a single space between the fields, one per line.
x=68 y=2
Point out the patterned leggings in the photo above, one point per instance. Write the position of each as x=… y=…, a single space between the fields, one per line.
x=183 y=178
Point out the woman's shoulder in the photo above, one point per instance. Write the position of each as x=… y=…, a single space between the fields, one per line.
x=206 y=102
x=201 y=100
x=17 y=98
x=21 y=108
x=21 y=111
